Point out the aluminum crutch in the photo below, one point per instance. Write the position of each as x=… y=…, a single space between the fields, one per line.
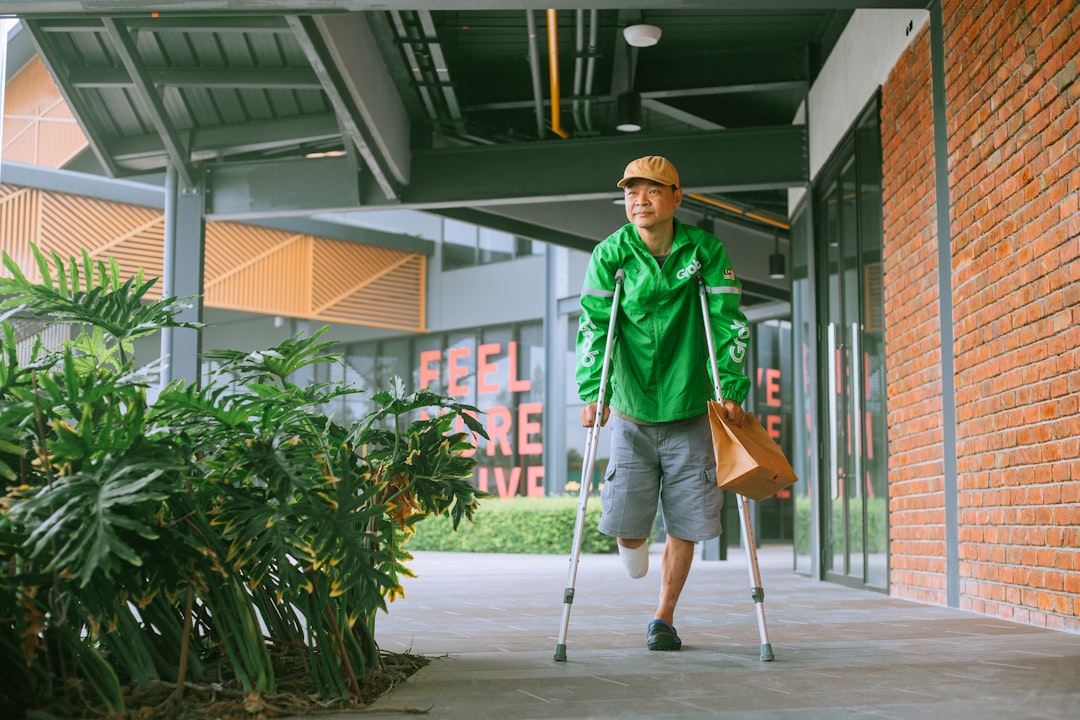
x=757 y=592
x=591 y=442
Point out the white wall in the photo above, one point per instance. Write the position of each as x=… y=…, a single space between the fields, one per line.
x=512 y=291
x=409 y=222
x=867 y=50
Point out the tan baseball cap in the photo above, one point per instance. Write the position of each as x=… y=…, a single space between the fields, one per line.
x=651 y=167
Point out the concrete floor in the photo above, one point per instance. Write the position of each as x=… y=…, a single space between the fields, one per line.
x=490 y=623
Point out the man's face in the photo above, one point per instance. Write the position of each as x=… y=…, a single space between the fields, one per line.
x=649 y=204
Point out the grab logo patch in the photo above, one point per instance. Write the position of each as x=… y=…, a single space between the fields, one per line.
x=689 y=271
x=737 y=351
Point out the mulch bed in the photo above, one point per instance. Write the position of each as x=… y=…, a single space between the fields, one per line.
x=224 y=701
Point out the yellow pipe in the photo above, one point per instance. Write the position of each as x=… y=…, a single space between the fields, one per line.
x=739 y=211
x=553 y=71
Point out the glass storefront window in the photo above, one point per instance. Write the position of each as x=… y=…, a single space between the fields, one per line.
x=771 y=403
x=496 y=456
x=529 y=396
x=575 y=435
x=466 y=245
x=460 y=363
x=458 y=245
x=359 y=372
x=511 y=462
x=525 y=247
x=428 y=368
x=872 y=314
x=333 y=373
x=392 y=357
x=499 y=370
x=853 y=511
x=495 y=246
x=804 y=373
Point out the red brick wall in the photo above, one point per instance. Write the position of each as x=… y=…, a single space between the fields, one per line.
x=1013 y=115
x=912 y=331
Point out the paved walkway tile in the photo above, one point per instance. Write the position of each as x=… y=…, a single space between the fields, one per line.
x=490 y=624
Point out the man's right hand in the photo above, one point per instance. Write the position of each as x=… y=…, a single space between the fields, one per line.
x=588 y=415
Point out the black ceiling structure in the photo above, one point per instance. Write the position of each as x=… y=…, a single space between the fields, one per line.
x=504 y=116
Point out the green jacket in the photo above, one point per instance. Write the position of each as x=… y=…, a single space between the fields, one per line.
x=660 y=368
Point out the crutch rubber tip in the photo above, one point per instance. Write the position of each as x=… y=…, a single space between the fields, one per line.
x=766 y=652
x=560 y=653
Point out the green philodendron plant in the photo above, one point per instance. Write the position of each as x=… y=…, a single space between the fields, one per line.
x=143 y=541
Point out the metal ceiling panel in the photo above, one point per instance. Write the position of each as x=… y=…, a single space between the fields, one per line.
x=434 y=105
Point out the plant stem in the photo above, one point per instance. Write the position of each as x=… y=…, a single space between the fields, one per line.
x=185 y=643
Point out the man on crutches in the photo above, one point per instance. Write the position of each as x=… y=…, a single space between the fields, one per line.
x=660 y=380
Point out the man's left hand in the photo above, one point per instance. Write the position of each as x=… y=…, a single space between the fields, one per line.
x=735 y=413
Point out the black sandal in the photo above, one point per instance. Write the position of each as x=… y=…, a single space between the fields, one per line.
x=662 y=636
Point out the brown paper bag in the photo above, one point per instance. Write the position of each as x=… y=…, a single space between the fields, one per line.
x=748 y=461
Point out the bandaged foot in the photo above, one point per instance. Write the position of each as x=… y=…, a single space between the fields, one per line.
x=635 y=560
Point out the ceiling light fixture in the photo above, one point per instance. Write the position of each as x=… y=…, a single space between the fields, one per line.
x=777 y=270
x=328 y=153
x=641 y=35
x=628 y=112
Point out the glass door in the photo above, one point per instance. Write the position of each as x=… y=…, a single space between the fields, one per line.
x=853 y=508
x=838 y=245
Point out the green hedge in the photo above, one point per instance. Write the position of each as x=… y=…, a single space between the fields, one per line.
x=877 y=511
x=521 y=525
x=546 y=526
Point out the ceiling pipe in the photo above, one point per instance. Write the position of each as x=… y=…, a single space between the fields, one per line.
x=590 y=67
x=534 y=67
x=553 y=70
x=736 y=210
x=579 y=48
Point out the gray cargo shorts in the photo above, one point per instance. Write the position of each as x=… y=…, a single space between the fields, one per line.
x=672 y=463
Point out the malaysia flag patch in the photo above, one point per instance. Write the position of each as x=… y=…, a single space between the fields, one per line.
x=729 y=274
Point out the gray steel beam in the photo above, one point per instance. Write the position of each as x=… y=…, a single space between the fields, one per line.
x=374 y=153
x=222 y=23
x=775 y=310
x=245 y=191
x=275 y=79
x=950 y=461
x=535 y=231
x=145 y=91
x=182 y=276
x=20 y=50
x=754 y=288
x=151 y=195
x=352 y=233
x=681 y=115
x=239 y=23
x=578 y=225
x=722 y=161
x=75 y=183
x=659 y=94
x=365 y=77
x=778 y=85
x=725 y=160
x=280 y=7
x=50 y=55
x=147 y=152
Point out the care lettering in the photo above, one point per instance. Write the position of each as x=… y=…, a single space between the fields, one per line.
x=514 y=432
